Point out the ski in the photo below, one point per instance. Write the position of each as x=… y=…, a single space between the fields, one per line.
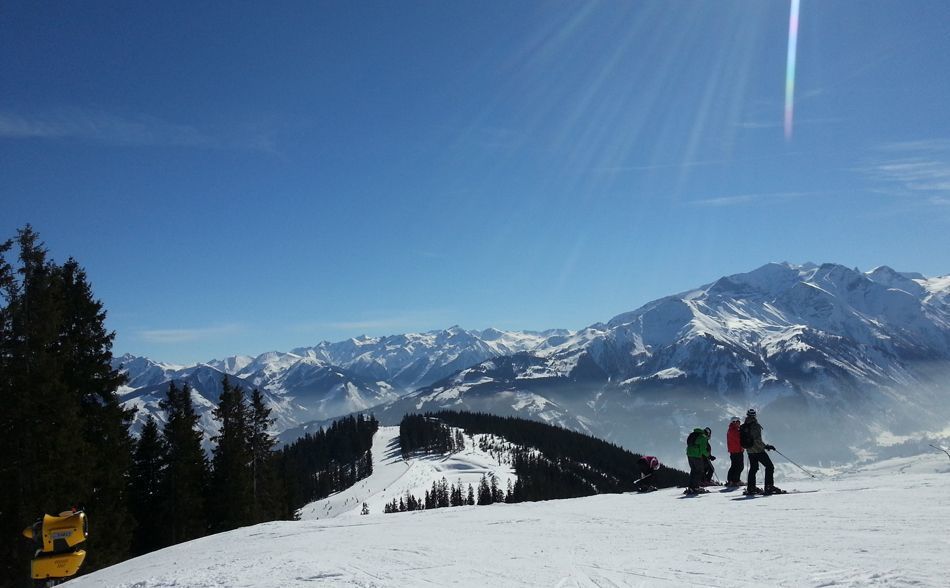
x=692 y=494
x=763 y=495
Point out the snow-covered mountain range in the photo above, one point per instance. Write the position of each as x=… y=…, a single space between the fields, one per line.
x=861 y=357
x=325 y=381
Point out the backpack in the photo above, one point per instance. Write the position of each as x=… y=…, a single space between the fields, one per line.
x=691 y=439
x=745 y=435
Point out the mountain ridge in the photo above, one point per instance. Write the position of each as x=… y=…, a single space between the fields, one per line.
x=812 y=340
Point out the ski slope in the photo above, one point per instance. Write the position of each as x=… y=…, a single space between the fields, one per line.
x=879 y=525
x=392 y=476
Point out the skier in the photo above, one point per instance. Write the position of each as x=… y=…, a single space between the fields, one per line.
x=647 y=465
x=758 y=455
x=697 y=449
x=708 y=469
x=736 y=455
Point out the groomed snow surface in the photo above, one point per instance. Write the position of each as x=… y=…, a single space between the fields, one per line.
x=879 y=525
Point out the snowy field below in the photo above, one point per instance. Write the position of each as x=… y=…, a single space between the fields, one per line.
x=881 y=525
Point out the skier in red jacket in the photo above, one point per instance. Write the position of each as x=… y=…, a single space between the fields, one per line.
x=735 y=454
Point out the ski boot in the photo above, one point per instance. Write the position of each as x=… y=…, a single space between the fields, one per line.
x=773 y=490
x=753 y=491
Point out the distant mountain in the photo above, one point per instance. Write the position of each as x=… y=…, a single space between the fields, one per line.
x=841 y=363
x=414 y=360
x=327 y=380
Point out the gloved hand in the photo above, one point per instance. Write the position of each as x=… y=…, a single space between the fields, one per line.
x=770 y=448
x=712 y=458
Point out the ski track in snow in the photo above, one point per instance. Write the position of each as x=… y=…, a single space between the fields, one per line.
x=880 y=525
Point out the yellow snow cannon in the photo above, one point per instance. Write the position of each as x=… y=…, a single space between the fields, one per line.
x=57 y=540
x=59 y=534
x=56 y=565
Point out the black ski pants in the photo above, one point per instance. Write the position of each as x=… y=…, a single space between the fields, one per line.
x=697 y=467
x=735 y=468
x=761 y=458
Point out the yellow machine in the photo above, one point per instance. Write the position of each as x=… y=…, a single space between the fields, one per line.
x=56 y=566
x=58 y=540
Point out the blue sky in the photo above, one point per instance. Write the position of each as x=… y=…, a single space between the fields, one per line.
x=255 y=177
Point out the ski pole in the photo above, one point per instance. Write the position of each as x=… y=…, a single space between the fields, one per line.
x=941 y=449
x=794 y=464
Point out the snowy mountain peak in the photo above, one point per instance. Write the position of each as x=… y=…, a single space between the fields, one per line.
x=810 y=342
x=815 y=343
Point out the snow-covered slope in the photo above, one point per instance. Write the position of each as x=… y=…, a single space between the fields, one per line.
x=393 y=477
x=879 y=526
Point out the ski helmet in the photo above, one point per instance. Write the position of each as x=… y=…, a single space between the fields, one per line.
x=708 y=431
x=736 y=419
x=654 y=463
x=751 y=413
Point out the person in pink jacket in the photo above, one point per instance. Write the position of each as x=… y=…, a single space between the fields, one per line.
x=736 y=454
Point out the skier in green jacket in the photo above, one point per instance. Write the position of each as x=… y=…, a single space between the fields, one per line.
x=697 y=452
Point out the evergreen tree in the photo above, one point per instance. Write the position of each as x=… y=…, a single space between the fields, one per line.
x=266 y=487
x=452 y=496
x=470 y=498
x=13 y=511
x=85 y=348
x=443 y=494
x=148 y=465
x=232 y=487
x=186 y=473
x=52 y=446
x=496 y=493
x=484 y=491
